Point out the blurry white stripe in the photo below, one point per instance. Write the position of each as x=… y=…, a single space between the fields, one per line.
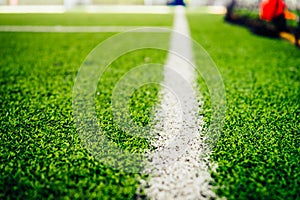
x=107 y=9
x=33 y=9
x=216 y=10
x=219 y=10
x=81 y=29
x=134 y=9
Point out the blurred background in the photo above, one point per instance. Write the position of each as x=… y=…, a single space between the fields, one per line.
x=248 y=4
x=107 y=2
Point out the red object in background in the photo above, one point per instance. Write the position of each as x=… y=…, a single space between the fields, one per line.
x=271 y=8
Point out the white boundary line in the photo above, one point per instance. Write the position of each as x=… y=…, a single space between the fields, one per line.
x=81 y=29
x=123 y=9
x=127 y=9
x=187 y=177
x=108 y=9
x=33 y=9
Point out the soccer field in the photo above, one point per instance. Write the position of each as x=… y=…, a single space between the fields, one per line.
x=41 y=152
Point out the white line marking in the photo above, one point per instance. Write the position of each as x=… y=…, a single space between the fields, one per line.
x=179 y=126
x=33 y=9
x=107 y=9
x=80 y=29
x=125 y=9
x=133 y=9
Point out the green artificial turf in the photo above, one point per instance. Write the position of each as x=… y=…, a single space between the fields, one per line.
x=259 y=148
x=41 y=153
x=141 y=103
x=79 y=19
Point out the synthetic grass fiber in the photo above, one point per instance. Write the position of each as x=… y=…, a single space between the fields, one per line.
x=42 y=157
x=259 y=149
x=41 y=153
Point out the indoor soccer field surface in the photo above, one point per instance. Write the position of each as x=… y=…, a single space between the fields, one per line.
x=46 y=152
